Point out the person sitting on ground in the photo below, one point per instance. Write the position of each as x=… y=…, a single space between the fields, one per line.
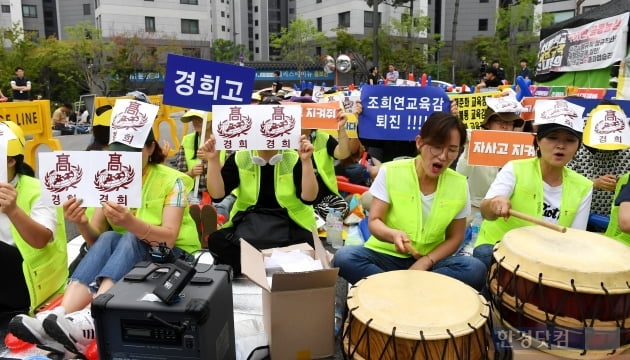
x=60 y=119
x=360 y=168
x=33 y=252
x=282 y=182
x=542 y=187
x=118 y=239
x=418 y=212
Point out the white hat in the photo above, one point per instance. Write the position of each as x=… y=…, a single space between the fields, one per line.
x=559 y=113
x=187 y=117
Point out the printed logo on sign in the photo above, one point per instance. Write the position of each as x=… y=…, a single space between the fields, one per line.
x=610 y=124
x=65 y=175
x=131 y=118
x=278 y=125
x=115 y=176
x=560 y=109
x=235 y=125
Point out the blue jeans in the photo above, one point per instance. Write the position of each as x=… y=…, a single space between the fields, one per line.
x=112 y=256
x=484 y=253
x=358 y=262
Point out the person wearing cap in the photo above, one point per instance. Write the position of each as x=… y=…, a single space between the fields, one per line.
x=100 y=128
x=600 y=162
x=480 y=177
x=118 y=238
x=33 y=251
x=491 y=80
x=282 y=182
x=542 y=187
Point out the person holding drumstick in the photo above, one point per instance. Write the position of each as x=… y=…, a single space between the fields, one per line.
x=542 y=187
x=418 y=213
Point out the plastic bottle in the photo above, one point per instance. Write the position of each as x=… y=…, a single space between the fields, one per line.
x=334 y=226
x=337 y=238
x=329 y=224
x=338 y=321
x=475 y=225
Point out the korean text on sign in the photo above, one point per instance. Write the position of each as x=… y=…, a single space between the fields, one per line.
x=398 y=112
x=472 y=108
x=495 y=148
x=198 y=84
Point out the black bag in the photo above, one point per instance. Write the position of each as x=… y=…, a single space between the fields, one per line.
x=263 y=228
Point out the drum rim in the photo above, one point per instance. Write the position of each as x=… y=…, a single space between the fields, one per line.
x=404 y=332
x=534 y=271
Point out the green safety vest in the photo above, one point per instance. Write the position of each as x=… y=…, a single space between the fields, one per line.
x=45 y=270
x=528 y=196
x=155 y=188
x=188 y=144
x=405 y=207
x=249 y=188
x=613 y=230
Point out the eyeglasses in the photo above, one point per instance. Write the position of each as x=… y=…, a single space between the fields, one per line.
x=451 y=152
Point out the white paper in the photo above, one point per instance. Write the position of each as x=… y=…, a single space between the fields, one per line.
x=257 y=127
x=559 y=112
x=131 y=122
x=93 y=176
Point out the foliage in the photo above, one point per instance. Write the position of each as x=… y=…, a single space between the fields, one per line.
x=227 y=51
x=297 y=41
x=516 y=37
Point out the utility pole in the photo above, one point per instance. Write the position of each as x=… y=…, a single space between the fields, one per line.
x=375 y=26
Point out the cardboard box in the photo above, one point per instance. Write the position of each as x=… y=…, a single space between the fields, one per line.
x=298 y=309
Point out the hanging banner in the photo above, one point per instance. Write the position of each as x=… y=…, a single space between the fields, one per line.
x=595 y=45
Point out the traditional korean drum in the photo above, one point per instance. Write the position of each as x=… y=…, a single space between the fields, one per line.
x=411 y=314
x=567 y=293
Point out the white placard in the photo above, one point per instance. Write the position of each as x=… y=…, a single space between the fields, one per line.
x=131 y=122
x=257 y=127
x=93 y=176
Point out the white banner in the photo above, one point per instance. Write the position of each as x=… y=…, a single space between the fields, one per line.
x=596 y=45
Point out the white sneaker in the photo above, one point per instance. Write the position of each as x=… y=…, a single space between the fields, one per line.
x=74 y=331
x=30 y=330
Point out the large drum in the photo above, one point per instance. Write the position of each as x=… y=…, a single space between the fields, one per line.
x=412 y=314
x=566 y=293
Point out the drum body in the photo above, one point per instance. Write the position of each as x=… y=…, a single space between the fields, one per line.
x=569 y=292
x=411 y=314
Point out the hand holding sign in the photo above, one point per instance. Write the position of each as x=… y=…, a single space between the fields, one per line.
x=8 y=195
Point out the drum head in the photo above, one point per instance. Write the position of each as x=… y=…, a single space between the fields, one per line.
x=413 y=301
x=581 y=259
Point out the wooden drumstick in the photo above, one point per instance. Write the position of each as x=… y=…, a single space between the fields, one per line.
x=416 y=255
x=537 y=221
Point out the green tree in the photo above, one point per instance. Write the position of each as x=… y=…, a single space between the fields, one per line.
x=359 y=51
x=88 y=56
x=227 y=51
x=296 y=43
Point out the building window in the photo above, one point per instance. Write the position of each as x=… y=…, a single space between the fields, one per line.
x=149 y=24
x=319 y=24
x=222 y=13
x=190 y=26
x=344 y=19
x=483 y=25
x=256 y=36
x=255 y=22
x=368 y=16
x=318 y=1
x=257 y=50
x=318 y=51
x=86 y=9
x=29 y=11
x=6 y=9
x=483 y=1
x=256 y=8
x=192 y=52
x=291 y=11
x=562 y=15
x=188 y=2
x=96 y=3
x=223 y=28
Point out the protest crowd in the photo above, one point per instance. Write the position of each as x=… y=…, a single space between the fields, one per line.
x=499 y=211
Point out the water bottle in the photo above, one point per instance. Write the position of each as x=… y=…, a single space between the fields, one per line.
x=337 y=238
x=329 y=224
x=333 y=229
x=475 y=225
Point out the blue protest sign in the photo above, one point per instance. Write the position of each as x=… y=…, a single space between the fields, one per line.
x=198 y=84
x=398 y=112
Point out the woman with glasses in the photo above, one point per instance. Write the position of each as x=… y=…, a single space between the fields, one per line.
x=542 y=187
x=418 y=214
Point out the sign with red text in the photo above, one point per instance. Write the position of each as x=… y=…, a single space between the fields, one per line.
x=495 y=148
x=257 y=127
x=93 y=176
